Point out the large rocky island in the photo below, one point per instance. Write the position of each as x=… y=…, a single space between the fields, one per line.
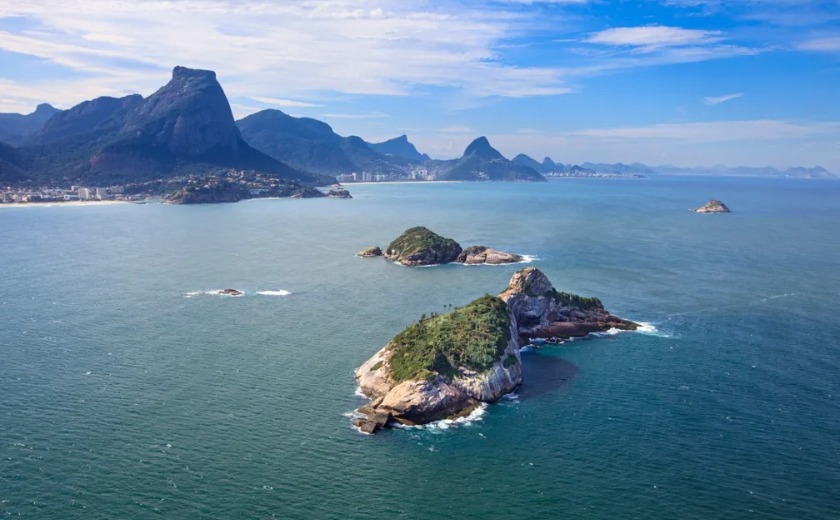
x=446 y=365
x=421 y=246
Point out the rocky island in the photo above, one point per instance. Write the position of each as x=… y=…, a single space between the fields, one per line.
x=421 y=246
x=713 y=206
x=446 y=365
x=370 y=252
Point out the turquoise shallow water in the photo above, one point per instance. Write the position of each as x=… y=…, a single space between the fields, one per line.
x=123 y=394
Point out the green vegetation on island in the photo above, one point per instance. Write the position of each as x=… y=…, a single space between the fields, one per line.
x=420 y=246
x=473 y=336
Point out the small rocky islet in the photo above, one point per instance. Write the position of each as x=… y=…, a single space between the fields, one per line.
x=446 y=365
x=419 y=246
x=713 y=206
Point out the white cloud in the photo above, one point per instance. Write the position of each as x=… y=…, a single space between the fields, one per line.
x=285 y=50
x=717 y=100
x=654 y=37
x=830 y=44
x=283 y=102
x=375 y=115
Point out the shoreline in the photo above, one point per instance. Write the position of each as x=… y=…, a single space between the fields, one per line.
x=367 y=183
x=69 y=203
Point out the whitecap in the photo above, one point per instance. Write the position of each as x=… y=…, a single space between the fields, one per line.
x=279 y=292
x=445 y=424
x=212 y=292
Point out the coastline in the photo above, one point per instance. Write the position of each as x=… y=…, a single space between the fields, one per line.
x=348 y=184
x=69 y=203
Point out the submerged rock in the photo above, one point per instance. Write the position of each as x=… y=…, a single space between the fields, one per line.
x=484 y=255
x=444 y=366
x=370 y=252
x=713 y=206
x=230 y=292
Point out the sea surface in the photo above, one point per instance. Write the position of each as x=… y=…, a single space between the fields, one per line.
x=127 y=391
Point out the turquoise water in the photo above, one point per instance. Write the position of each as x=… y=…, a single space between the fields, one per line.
x=126 y=393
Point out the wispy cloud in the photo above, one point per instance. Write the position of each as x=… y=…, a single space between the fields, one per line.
x=717 y=100
x=829 y=44
x=375 y=115
x=283 y=102
x=286 y=50
x=654 y=37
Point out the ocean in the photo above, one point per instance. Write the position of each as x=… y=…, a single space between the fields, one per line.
x=128 y=391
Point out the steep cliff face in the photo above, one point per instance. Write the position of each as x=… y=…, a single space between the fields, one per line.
x=190 y=116
x=543 y=312
x=445 y=366
x=436 y=369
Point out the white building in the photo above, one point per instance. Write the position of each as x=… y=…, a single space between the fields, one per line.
x=84 y=194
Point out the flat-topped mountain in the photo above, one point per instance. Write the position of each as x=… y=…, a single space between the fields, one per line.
x=312 y=145
x=445 y=365
x=482 y=162
x=185 y=127
x=400 y=147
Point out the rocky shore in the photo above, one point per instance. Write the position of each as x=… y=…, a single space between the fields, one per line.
x=420 y=246
x=444 y=366
x=713 y=206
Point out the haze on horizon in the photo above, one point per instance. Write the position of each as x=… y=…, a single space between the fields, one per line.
x=685 y=82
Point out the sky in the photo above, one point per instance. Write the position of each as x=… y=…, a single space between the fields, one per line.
x=683 y=82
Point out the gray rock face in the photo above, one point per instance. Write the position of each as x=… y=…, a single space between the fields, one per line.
x=190 y=116
x=474 y=255
x=713 y=206
x=543 y=312
x=420 y=401
x=370 y=252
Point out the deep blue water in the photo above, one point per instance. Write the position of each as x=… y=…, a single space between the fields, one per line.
x=122 y=397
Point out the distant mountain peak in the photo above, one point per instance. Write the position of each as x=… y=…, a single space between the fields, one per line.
x=399 y=147
x=481 y=147
x=45 y=109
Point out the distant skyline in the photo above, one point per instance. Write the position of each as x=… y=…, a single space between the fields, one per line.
x=683 y=82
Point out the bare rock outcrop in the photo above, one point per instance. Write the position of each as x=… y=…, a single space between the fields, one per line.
x=484 y=255
x=713 y=206
x=543 y=312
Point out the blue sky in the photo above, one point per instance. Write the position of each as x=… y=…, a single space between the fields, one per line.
x=684 y=82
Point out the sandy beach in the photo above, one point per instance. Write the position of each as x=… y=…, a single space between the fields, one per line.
x=70 y=203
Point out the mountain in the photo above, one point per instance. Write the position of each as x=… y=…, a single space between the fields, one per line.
x=399 y=147
x=817 y=172
x=96 y=116
x=525 y=160
x=482 y=162
x=186 y=127
x=620 y=168
x=14 y=164
x=313 y=145
x=15 y=127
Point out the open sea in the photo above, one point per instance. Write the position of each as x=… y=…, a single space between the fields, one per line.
x=128 y=392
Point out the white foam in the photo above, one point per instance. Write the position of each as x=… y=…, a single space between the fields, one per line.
x=279 y=292
x=212 y=292
x=526 y=259
x=445 y=424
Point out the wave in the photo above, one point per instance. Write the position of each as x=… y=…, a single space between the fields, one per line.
x=279 y=292
x=212 y=292
x=445 y=424
x=526 y=259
